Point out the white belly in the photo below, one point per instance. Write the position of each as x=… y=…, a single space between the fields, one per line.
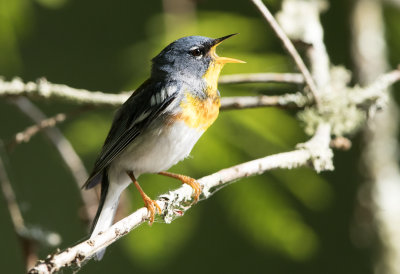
x=155 y=151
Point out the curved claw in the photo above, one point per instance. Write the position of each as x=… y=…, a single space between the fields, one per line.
x=186 y=180
x=151 y=206
x=196 y=189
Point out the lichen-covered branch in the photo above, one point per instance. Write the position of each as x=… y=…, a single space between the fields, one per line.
x=377 y=90
x=315 y=153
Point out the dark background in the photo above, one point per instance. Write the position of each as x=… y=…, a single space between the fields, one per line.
x=281 y=222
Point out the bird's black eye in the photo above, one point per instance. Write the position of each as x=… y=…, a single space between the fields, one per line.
x=196 y=52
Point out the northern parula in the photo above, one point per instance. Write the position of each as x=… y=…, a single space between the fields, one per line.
x=159 y=124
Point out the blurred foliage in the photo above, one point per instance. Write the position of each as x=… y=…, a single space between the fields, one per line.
x=159 y=243
x=87 y=133
x=13 y=24
x=286 y=221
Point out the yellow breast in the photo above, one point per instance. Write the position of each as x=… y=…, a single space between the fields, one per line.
x=211 y=78
x=199 y=113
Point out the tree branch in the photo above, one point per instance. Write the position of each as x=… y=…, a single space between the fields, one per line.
x=289 y=47
x=27 y=237
x=287 y=100
x=46 y=90
x=301 y=21
x=291 y=78
x=315 y=152
x=26 y=135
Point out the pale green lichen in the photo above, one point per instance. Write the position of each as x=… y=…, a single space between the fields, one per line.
x=345 y=119
x=338 y=107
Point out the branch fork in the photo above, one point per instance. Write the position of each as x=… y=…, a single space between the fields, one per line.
x=318 y=146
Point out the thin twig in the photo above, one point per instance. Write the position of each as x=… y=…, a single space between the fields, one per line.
x=28 y=244
x=289 y=47
x=378 y=87
x=26 y=135
x=66 y=151
x=29 y=237
x=10 y=198
x=300 y=20
x=291 y=78
x=46 y=90
x=315 y=152
x=298 y=100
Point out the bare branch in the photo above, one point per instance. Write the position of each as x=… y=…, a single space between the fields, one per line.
x=27 y=245
x=300 y=21
x=27 y=237
x=375 y=90
x=296 y=100
x=47 y=90
x=28 y=133
x=25 y=135
x=291 y=78
x=315 y=152
x=287 y=100
x=10 y=198
x=289 y=47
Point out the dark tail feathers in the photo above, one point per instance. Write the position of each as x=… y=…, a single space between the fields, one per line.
x=104 y=190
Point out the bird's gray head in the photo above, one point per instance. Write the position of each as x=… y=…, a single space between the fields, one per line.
x=189 y=57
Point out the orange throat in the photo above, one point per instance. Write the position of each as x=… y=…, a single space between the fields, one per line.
x=199 y=113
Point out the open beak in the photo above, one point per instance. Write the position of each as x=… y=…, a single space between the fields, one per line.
x=222 y=60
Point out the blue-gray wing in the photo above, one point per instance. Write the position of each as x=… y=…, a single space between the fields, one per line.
x=147 y=103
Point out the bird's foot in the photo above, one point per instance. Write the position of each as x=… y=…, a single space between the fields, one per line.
x=186 y=180
x=151 y=206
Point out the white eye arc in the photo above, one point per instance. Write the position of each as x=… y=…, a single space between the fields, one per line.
x=196 y=52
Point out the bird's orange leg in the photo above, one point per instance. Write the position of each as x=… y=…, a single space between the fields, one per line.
x=150 y=204
x=186 y=180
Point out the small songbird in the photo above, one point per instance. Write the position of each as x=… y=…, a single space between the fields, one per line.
x=159 y=124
